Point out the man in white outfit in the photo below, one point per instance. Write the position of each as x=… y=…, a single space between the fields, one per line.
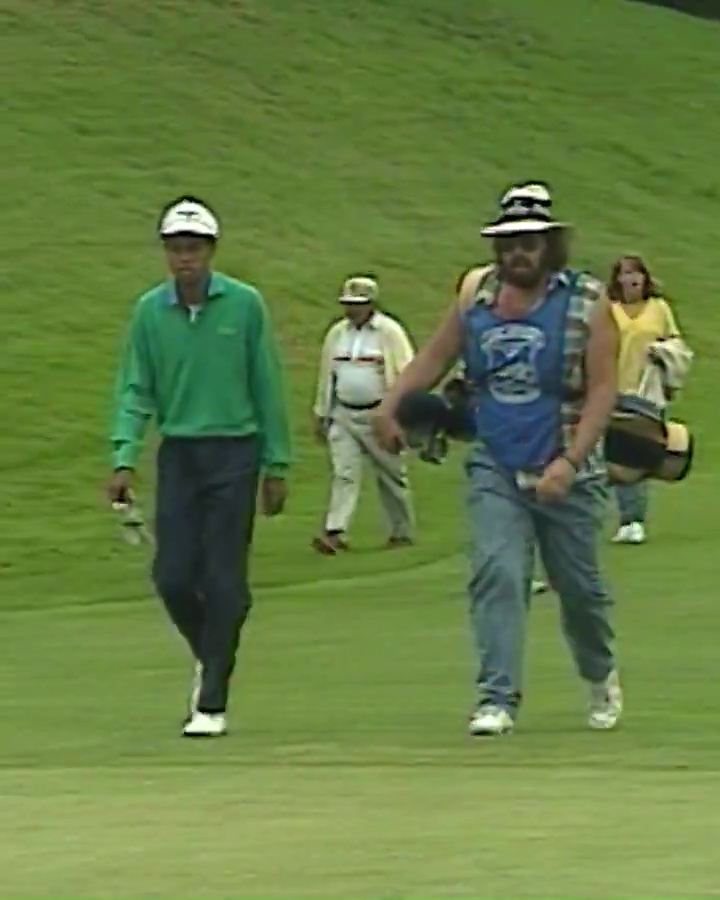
x=362 y=355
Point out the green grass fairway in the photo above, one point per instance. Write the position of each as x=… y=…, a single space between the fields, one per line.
x=332 y=136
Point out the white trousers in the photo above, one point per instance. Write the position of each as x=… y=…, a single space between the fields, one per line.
x=350 y=440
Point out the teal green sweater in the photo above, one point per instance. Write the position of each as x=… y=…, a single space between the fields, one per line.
x=213 y=373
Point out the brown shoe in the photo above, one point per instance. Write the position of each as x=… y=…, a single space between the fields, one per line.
x=396 y=542
x=329 y=544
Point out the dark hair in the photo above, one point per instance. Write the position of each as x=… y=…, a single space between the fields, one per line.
x=185 y=198
x=557 y=251
x=651 y=287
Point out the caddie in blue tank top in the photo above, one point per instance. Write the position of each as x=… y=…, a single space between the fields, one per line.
x=538 y=346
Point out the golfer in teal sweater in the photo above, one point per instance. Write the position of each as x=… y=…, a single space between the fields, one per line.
x=200 y=359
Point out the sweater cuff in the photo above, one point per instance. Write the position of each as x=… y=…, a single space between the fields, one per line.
x=124 y=456
x=275 y=470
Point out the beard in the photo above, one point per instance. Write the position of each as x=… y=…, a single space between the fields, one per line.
x=521 y=274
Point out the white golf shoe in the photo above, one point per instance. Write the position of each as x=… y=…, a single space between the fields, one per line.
x=489 y=720
x=205 y=725
x=634 y=533
x=606 y=703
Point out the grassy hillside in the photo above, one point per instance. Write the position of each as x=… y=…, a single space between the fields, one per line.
x=333 y=136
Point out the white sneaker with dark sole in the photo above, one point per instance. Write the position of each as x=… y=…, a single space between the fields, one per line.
x=634 y=533
x=606 y=703
x=205 y=725
x=490 y=721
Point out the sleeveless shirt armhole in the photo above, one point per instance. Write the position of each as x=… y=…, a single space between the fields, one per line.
x=461 y=279
x=465 y=302
x=593 y=292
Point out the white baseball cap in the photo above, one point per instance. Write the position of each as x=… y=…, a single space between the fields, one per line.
x=359 y=289
x=189 y=217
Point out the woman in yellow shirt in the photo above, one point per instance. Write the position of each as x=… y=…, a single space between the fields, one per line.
x=643 y=316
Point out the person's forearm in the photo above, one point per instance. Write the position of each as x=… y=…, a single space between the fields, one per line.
x=321 y=407
x=277 y=451
x=271 y=408
x=267 y=392
x=125 y=454
x=130 y=424
x=593 y=423
x=134 y=406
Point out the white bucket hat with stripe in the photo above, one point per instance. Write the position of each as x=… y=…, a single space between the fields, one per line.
x=524 y=209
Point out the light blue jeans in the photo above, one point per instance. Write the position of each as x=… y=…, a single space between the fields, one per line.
x=632 y=500
x=506 y=524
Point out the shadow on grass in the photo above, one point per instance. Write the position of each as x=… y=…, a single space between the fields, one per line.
x=705 y=9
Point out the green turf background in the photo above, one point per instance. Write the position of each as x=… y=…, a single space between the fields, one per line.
x=335 y=136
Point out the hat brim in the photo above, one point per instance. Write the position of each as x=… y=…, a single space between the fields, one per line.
x=181 y=228
x=522 y=226
x=353 y=299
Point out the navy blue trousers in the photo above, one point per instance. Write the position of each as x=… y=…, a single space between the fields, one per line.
x=205 y=510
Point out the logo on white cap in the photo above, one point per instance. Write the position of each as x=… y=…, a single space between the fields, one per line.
x=189 y=217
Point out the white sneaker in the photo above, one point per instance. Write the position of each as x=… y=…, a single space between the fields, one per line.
x=634 y=533
x=539 y=587
x=195 y=689
x=205 y=725
x=490 y=720
x=606 y=703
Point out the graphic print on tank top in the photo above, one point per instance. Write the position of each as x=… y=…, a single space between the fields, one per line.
x=511 y=353
x=517 y=366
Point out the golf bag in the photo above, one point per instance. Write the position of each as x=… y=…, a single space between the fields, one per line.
x=431 y=420
x=639 y=442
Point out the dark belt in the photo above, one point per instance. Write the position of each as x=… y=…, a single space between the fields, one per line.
x=360 y=407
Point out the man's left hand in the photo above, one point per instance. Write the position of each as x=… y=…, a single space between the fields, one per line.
x=274 y=495
x=556 y=480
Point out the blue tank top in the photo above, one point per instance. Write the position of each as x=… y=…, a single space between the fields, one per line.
x=518 y=367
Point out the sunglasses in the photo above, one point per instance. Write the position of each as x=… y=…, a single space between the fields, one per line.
x=526 y=242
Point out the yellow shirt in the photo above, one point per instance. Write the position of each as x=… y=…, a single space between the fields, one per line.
x=654 y=321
